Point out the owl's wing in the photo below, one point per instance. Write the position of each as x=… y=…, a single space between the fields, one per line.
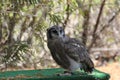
x=76 y=50
x=58 y=54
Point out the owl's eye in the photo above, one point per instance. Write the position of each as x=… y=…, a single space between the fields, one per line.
x=60 y=31
x=54 y=31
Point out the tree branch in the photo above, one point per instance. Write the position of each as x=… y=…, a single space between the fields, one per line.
x=94 y=35
x=67 y=13
x=110 y=20
x=86 y=24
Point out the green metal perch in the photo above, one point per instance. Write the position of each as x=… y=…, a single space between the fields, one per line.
x=51 y=74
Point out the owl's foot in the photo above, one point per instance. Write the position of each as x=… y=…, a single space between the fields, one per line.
x=66 y=73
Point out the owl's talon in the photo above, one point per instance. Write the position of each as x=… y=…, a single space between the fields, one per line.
x=68 y=72
x=64 y=74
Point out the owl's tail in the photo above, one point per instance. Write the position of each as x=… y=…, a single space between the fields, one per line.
x=88 y=65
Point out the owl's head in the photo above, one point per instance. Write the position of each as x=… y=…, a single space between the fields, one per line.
x=55 y=32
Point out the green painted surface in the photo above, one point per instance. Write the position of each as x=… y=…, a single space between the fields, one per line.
x=52 y=74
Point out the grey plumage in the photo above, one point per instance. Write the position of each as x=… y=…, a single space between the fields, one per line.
x=68 y=52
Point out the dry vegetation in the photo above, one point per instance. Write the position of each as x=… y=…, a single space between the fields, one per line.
x=113 y=69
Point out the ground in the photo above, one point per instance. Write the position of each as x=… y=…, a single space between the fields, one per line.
x=113 y=69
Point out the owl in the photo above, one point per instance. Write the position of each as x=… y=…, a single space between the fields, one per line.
x=68 y=52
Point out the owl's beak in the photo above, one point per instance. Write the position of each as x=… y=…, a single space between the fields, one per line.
x=61 y=36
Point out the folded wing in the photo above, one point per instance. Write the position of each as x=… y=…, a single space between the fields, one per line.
x=76 y=50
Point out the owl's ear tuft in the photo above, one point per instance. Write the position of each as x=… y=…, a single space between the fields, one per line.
x=49 y=33
x=47 y=29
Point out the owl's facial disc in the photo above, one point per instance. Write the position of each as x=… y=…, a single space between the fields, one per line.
x=55 y=32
